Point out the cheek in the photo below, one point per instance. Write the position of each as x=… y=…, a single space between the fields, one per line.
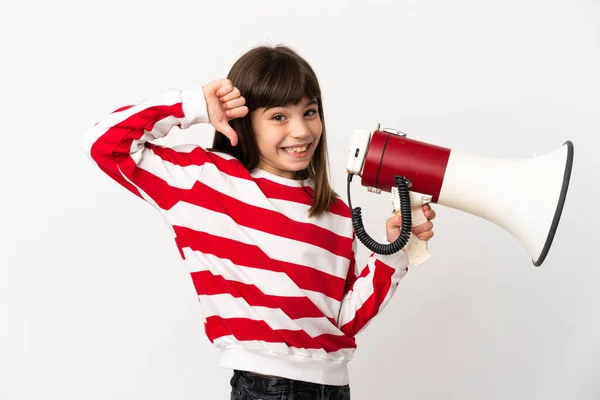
x=317 y=128
x=262 y=146
x=318 y=131
x=266 y=144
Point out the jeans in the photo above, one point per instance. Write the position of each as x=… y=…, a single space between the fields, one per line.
x=249 y=386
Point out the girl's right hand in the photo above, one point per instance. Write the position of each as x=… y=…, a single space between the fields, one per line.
x=224 y=103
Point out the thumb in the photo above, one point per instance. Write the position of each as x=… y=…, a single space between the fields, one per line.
x=398 y=220
x=228 y=131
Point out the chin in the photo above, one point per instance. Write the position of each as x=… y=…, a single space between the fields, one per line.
x=296 y=167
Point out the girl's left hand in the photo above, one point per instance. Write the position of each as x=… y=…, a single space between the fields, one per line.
x=423 y=231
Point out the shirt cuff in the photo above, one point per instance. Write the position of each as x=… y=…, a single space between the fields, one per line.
x=398 y=261
x=194 y=107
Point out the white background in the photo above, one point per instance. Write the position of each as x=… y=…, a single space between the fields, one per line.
x=94 y=300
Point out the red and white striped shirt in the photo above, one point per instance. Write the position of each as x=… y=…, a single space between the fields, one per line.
x=280 y=291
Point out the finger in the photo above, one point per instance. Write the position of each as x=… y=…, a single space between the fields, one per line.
x=235 y=103
x=213 y=86
x=226 y=88
x=228 y=131
x=425 y=235
x=393 y=222
x=233 y=94
x=427 y=226
x=239 y=112
x=428 y=212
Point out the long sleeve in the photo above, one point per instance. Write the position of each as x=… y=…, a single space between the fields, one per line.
x=121 y=145
x=368 y=292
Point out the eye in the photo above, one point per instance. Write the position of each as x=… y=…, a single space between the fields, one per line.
x=278 y=117
x=311 y=113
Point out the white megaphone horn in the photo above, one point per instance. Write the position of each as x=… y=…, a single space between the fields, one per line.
x=523 y=196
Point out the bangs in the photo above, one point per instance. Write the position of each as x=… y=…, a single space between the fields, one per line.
x=281 y=81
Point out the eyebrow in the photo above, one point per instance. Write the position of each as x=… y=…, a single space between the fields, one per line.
x=306 y=104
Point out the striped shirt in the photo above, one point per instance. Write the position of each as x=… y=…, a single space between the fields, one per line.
x=280 y=291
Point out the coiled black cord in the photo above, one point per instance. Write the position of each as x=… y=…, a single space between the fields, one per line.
x=385 y=249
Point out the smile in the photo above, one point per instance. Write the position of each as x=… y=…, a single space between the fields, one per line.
x=296 y=149
x=299 y=151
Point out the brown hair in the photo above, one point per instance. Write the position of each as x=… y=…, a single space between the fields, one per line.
x=271 y=77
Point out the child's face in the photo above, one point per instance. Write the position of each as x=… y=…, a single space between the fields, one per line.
x=287 y=136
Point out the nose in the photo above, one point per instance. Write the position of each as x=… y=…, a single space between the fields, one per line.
x=299 y=129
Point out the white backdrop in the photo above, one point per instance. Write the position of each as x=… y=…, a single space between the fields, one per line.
x=94 y=300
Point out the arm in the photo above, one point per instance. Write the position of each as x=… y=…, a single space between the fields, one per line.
x=121 y=144
x=366 y=294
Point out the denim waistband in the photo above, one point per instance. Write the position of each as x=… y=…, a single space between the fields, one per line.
x=272 y=384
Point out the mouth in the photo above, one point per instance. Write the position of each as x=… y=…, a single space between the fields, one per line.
x=298 y=149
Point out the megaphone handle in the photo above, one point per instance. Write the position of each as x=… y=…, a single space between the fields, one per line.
x=416 y=249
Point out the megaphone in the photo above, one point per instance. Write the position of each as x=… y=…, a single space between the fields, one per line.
x=523 y=196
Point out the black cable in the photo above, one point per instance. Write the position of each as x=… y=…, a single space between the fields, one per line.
x=398 y=244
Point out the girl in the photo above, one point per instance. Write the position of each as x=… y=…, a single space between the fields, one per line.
x=269 y=244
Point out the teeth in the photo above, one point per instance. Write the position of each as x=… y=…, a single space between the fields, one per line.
x=296 y=149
